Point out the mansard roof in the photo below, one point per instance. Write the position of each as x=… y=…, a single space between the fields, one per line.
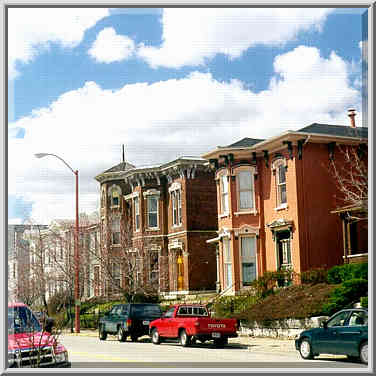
x=123 y=166
x=336 y=130
x=245 y=142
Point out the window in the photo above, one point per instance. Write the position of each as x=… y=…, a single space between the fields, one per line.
x=224 y=194
x=176 y=207
x=248 y=259
x=116 y=231
x=115 y=199
x=136 y=213
x=358 y=318
x=338 y=320
x=245 y=188
x=281 y=183
x=227 y=262
x=116 y=275
x=152 y=207
x=154 y=267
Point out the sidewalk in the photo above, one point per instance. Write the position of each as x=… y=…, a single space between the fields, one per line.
x=253 y=343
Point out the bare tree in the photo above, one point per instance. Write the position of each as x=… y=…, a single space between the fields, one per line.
x=127 y=264
x=350 y=170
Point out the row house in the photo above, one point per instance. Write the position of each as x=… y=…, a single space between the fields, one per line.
x=163 y=215
x=275 y=200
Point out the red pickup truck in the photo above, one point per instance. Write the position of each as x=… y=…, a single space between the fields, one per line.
x=191 y=322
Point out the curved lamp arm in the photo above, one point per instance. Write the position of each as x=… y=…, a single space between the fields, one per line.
x=41 y=155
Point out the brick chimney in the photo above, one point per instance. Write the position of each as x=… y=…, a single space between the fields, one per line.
x=351 y=114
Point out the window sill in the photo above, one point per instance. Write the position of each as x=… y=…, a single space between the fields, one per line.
x=252 y=212
x=115 y=207
x=176 y=226
x=281 y=207
x=224 y=215
x=152 y=229
x=116 y=245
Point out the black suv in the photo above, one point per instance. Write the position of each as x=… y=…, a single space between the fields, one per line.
x=128 y=320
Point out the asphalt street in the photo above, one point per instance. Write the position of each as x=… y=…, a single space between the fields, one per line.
x=87 y=351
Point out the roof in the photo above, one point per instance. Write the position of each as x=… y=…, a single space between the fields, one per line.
x=336 y=130
x=245 y=142
x=123 y=166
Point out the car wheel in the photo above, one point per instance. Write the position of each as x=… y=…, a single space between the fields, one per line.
x=305 y=349
x=134 y=338
x=155 y=337
x=121 y=334
x=102 y=333
x=185 y=339
x=363 y=352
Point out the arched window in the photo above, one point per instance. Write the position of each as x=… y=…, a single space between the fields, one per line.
x=223 y=179
x=279 y=167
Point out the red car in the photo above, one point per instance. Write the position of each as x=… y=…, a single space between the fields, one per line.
x=191 y=322
x=30 y=345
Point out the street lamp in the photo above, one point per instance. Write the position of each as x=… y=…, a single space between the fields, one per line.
x=76 y=253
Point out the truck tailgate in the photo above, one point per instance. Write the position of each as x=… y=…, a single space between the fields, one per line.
x=224 y=326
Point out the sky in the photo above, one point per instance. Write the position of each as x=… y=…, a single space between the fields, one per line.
x=165 y=83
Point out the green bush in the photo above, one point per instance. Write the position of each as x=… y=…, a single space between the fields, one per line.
x=345 y=295
x=314 y=276
x=364 y=301
x=265 y=284
x=342 y=273
x=227 y=306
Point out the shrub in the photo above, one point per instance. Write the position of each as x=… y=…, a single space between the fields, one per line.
x=314 y=276
x=227 y=306
x=342 y=273
x=265 y=284
x=345 y=295
x=364 y=301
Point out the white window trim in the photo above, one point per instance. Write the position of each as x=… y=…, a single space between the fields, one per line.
x=275 y=166
x=177 y=188
x=230 y=284
x=253 y=172
x=139 y=213
x=147 y=211
x=219 y=177
x=240 y=259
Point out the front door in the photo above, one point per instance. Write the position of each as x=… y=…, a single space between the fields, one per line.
x=180 y=271
x=284 y=252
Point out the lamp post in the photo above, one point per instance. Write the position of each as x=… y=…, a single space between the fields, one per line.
x=76 y=253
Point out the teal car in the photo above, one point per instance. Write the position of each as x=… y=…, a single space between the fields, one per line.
x=345 y=333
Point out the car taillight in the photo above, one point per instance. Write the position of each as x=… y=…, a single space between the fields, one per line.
x=197 y=323
x=129 y=322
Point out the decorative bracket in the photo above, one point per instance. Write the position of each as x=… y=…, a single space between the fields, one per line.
x=289 y=147
x=266 y=158
x=214 y=163
x=331 y=147
x=300 y=148
x=225 y=157
x=254 y=160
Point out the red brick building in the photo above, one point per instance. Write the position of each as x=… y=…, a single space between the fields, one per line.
x=170 y=211
x=275 y=201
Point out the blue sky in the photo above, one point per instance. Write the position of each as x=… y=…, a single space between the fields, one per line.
x=166 y=83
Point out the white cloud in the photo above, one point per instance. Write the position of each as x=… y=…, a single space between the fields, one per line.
x=31 y=30
x=164 y=120
x=110 y=47
x=191 y=35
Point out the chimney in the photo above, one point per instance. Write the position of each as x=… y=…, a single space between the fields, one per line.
x=351 y=114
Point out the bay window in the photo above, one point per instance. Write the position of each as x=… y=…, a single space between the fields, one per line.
x=227 y=262
x=224 y=194
x=152 y=211
x=245 y=190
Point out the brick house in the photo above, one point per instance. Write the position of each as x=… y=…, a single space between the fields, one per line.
x=170 y=211
x=275 y=198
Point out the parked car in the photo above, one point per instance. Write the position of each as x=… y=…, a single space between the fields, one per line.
x=31 y=345
x=191 y=322
x=345 y=333
x=128 y=320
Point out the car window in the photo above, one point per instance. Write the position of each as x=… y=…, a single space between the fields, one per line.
x=22 y=320
x=114 y=310
x=124 y=310
x=358 y=318
x=170 y=312
x=146 y=310
x=339 y=319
